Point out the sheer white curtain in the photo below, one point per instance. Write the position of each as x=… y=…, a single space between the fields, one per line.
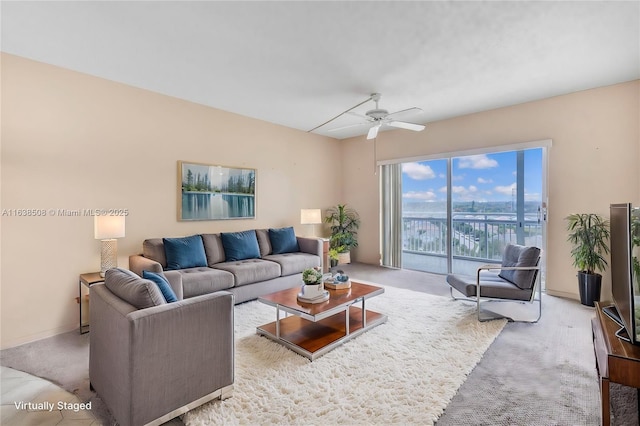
x=391 y=213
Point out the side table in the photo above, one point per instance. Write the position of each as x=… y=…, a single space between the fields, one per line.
x=617 y=361
x=86 y=279
x=326 y=262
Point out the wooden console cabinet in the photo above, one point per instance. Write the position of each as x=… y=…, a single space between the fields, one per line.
x=617 y=361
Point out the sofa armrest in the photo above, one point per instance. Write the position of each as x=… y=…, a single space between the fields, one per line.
x=189 y=341
x=310 y=245
x=139 y=263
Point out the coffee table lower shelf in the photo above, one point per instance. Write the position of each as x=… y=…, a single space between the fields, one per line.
x=314 y=339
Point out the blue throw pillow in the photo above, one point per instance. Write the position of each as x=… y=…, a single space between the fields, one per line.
x=283 y=240
x=187 y=252
x=240 y=245
x=163 y=285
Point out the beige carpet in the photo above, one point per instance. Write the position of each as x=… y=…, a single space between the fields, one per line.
x=404 y=371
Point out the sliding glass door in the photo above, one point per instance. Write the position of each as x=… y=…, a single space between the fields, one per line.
x=459 y=212
x=425 y=225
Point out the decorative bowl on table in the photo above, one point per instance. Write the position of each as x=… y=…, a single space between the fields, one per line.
x=338 y=282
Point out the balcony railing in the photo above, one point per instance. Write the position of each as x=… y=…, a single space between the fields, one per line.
x=476 y=236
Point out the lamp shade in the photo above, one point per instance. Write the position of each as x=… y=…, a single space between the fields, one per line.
x=107 y=227
x=310 y=216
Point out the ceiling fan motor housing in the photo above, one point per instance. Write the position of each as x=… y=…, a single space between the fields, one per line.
x=377 y=113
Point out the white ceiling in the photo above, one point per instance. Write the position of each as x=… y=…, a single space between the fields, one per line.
x=300 y=63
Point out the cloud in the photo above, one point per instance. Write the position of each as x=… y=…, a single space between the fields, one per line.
x=506 y=190
x=532 y=196
x=462 y=193
x=477 y=162
x=420 y=195
x=418 y=171
x=481 y=180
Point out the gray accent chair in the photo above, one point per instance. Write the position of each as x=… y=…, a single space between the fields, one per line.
x=516 y=279
x=151 y=361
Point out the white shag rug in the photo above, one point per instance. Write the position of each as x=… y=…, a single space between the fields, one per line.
x=402 y=372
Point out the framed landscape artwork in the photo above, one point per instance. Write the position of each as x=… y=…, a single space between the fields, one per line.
x=212 y=192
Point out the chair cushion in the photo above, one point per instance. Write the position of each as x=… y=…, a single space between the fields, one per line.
x=240 y=245
x=163 y=285
x=492 y=286
x=134 y=290
x=283 y=240
x=520 y=256
x=186 y=252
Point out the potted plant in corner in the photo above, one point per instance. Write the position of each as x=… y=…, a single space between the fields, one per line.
x=344 y=223
x=589 y=235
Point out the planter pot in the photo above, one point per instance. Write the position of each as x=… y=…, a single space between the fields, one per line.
x=589 y=286
x=344 y=257
x=312 y=290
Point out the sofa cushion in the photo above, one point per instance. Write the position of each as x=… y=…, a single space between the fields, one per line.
x=283 y=240
x=186 y=252
x=249 y=271
x=240 y=245
x=520 y=256
x=163 y=285
x=294 y=263
x=213 y=248
x=134 y=290
x=263 y=241
x=203 y=280
x=153 y=249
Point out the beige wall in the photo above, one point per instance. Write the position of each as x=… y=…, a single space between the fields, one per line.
x=594 y=161
x=72 y=141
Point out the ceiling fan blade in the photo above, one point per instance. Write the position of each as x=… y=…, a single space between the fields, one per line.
x=342 y=113
x=373 y=132
x=349 y=126
x=405 y=125
x=355 y=114
x=405 y=113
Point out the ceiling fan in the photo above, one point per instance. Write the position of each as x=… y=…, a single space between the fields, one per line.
x=378 y=117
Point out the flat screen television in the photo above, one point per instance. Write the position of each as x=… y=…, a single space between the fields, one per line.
x=625 y=270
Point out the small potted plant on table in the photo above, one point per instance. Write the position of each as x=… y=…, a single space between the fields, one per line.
x=313 y=289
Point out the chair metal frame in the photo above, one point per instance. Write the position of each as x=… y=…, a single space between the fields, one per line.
x=537 y=286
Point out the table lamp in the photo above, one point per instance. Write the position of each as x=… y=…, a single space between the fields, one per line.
x=107 y=229
x=311 y=217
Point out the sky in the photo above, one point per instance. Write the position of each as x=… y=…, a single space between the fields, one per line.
x=483 y=177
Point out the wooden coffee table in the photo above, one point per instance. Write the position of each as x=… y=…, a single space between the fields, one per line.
x=314 y=329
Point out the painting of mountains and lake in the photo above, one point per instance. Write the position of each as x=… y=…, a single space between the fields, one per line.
x=211 y=192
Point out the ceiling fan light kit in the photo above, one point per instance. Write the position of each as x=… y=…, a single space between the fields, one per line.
x=377 y=117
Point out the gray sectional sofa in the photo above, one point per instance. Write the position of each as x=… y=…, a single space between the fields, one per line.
x=248 y=264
